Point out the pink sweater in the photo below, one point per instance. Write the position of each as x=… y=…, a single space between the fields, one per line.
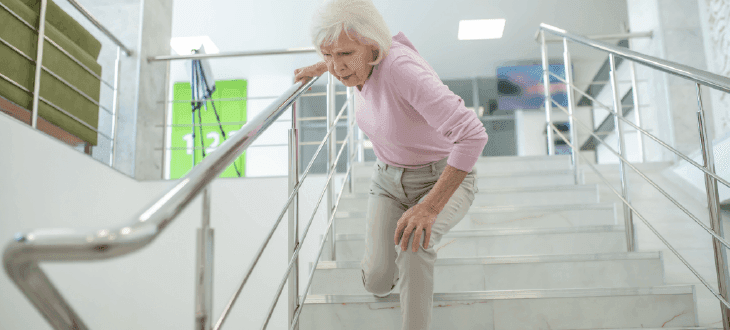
x=412 y=118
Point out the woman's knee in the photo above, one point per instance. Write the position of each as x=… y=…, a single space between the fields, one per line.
x=378 y=282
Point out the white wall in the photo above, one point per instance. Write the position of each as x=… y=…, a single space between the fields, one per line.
x=649 y=121
x=47 y=184
x=695 y=178
x=530 y=127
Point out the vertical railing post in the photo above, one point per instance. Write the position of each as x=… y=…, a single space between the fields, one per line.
x=713 y=204
x=293 y=213
x=332 y=143
x=350 y=129
x=39 y=63
x=204 y=273
x=548 y=98
x=635 y=94
x=628 y=215
x=571 y=101
x=637 y=113
x=115 y=107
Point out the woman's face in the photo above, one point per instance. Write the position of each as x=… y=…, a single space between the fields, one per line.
x=347 y=60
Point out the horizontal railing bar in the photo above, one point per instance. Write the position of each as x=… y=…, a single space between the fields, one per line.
x=321 y=248
x=23 y=254
x=605 y=82
x=232 y=54
x=15 y=83
x=78 y=62
x=331 y=171
x=295 y=190
x=85 y=13
x=221 y=100
x=662 y=143
x=74 y=117
x=18 y=17
x=77 y=90
x=628 y=35
x=706 y=78
x=646 y=222
x=314 y=143
x=96 y=23
x=486 y=118
x=200 y=148
x=246 y=98
x=323 y=94
x=697 y=220
x=63 y=51
x=55 y=106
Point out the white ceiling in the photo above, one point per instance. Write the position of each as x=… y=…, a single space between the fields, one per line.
x=431 y=25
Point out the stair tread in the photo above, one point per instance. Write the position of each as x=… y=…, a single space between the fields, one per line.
x=515 y=173
x=512 y=294
x=507 y=209
x=554 y=188
x=492 y=260
x=514 y=231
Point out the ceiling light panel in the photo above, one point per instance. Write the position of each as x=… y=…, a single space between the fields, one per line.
x=477 y=29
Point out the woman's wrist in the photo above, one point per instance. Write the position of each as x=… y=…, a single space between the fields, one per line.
x=322 y=66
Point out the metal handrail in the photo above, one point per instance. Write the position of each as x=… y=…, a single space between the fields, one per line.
x=699 y=77
x=662 y=143
x=294 y=192
x=662 y=191
x=306 y=230
x=702 y=279
x=232 y=54
x=22 y=256
x=703 y=77
x=101 y=27
x=321 y=248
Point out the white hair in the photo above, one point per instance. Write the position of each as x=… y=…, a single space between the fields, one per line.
x=358 y=16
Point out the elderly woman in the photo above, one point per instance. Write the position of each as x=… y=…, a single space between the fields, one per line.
x=425 y=140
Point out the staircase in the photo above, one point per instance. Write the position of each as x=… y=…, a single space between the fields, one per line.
x=535 y=251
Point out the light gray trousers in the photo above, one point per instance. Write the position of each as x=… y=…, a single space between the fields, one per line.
x=393 y=190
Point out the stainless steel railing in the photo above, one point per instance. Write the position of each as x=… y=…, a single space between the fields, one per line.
x=22 y=256
x=700 y=77
x=39 y=67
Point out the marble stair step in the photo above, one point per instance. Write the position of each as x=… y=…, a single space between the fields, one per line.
x=643 y=307
x=503 y=242
x=548 y=195
x=496 y=164
x=507 y=217
x=511 y=273
x=498 y=180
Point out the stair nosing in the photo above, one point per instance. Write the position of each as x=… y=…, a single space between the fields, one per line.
x=513 y=231
x=568 y=172
x=513 y=294
x=502 y=159
x=508 y=209
x=559 y=188
x=523 y=259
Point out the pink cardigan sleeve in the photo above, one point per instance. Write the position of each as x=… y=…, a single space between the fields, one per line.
x=418 y=84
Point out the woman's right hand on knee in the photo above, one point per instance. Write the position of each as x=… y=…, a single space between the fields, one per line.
x=307 y=72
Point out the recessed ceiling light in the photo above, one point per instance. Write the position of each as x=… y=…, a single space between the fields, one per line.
x=481 y=29
x=185 y=45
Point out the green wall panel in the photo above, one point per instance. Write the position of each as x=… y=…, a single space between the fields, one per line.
x=181 y=161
